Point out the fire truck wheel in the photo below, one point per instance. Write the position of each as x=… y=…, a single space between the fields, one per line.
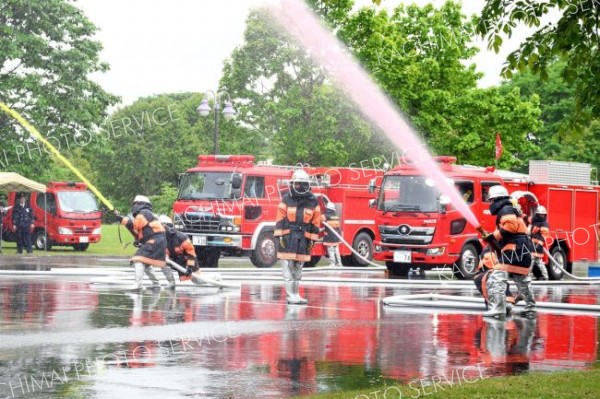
x=363 y=244
x=208 y=257
x=313 y=261
x=467 y=262
x=560 y=257
x=265 y=253
x=398 y=269
x=40 y=240
x=81 y=247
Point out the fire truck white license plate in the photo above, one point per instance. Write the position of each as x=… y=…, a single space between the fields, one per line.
x=402 y=256
x=84 y=239
x=199 y=240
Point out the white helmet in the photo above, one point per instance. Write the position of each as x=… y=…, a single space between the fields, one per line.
x=541 y=210
x=164 y=219
x=330 y=205
x=141 y=198
x=300 y=176
x=496 y=192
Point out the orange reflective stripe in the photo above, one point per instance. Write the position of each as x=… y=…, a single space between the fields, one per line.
x=509 y=247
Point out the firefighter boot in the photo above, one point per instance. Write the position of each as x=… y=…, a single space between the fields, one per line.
x=544 y=270
x=497 y=307
x=168 y=272
x=331 y=256
x=298 y=299
x=289 y=292
x=338 y=258
x=150 y=273
x=139 y=275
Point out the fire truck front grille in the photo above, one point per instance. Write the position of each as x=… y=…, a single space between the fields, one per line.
x=81 y=230
x=198 y=222
x=407 y=235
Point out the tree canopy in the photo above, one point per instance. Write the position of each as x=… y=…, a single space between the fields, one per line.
x=47 y=53
x=574 y=39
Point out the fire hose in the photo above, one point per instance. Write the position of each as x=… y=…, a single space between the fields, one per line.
x=331 y=229
x=198 y=278
x=558 y=265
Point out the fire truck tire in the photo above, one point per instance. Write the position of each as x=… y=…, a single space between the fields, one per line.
x=348 y=260
x=208 y=257
x=265 y=253
x=40 y=239
x=363 y=244
x=560 y=256
x=466 y=266
x=81 y=247
x=313 y=261
x=398 y=269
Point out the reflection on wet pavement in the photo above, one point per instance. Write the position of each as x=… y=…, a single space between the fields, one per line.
x=60 y=337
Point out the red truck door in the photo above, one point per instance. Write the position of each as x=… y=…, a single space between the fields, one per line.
x=585 y=210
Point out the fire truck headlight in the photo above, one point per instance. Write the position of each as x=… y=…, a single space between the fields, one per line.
x=97 y=230
x=65 y=231
x=377 y=248
x=435 y=251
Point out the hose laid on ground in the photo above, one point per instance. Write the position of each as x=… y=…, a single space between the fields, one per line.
x=198 y=278
x=566 y=272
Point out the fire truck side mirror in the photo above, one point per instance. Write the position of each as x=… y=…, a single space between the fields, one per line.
x=372 y=203
x=444 y=203
x=236 y=181
x=372 y=186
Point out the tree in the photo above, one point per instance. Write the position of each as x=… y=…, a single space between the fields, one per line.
x=147 y=144
x=46 y=55
x=286 y=99
x=574 y=39
x=418 y=56
x=555 y=139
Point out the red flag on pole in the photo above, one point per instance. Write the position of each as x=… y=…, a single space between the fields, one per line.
x=498 y=146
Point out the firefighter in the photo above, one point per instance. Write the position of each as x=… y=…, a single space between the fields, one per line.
x=297 y=226
x=483 y=282
x=331 y=240
x=22 y=218
x=514 y=247
x=179 y=248
x=150 y=239
x=540 y=232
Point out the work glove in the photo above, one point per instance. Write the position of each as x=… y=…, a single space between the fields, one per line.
x=117 y=216
x=488 y=237
x=311 y=243
x=189 y=270
x=281 y=242
x=136 y=243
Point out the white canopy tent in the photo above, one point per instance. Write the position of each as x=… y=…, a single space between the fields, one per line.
x=10 y=181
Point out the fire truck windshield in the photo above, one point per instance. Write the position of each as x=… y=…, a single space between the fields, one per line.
x=77 y=201
x=408 y=194
x=206 y=185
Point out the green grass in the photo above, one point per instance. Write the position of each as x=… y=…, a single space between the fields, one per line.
x=109 y=245
x=565 y=384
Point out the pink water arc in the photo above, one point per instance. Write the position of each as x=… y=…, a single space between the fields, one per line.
x=296 y=18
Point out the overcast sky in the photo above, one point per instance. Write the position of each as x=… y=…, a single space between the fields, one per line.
x=159 y=46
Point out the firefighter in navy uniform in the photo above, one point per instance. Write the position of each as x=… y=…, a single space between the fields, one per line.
x=179 y=248
x=540 y=232
x=22 y=218
x=514 y=257
x=150 y=239
x=330 y=239
x=297 y=226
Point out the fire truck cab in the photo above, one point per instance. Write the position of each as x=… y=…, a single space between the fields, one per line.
x=417 y=228
x=66 y=214
x=227 y=203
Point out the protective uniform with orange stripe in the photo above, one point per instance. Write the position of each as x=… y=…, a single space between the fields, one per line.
x=297 y=226
x=540 y=235
x=150 y=239
x=512 y=237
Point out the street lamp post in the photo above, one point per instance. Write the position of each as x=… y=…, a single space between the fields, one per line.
x=228 y=112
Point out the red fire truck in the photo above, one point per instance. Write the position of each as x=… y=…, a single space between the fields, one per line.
x=228 y=203
x=66 y=214
x=417 y=228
